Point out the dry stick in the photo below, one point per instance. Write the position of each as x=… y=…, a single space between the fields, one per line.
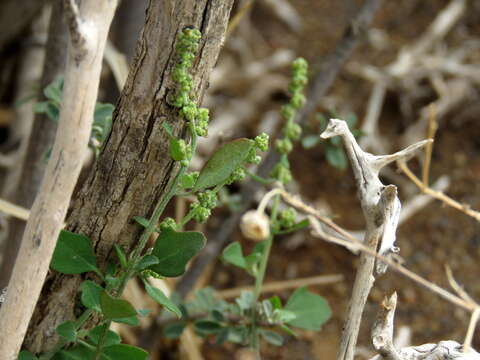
x=319 y=85
x=382 y=338
x=437 y=194
x=88 y=36
x=40 y=140
x=351 y=242
x=467 y=343
x=283 y=285
x=381 y=209
x=432 y=128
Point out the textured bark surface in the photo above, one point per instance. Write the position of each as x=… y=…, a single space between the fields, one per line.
x=41 y=139
x=135 y=168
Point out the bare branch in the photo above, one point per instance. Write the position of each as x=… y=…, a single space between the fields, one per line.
x=381 y=209
x=50 y=207
x=382 y=331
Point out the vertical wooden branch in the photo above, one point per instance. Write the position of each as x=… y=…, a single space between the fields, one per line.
x=88 y=33
x=381 y=209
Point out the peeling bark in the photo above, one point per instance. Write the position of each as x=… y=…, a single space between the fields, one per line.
x=134 y=169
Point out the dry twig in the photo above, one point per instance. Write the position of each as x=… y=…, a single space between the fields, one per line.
x=88 y=32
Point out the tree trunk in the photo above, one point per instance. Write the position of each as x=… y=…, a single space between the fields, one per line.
x=134 y=169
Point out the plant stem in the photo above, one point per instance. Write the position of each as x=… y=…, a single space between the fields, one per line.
x=259 y=179
x=101 y=340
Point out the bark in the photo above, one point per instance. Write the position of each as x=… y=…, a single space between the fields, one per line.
x=15 y=16
x=41 y=139
x=134 y=169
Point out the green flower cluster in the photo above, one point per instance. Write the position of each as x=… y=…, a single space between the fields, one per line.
x=288 y=218
x=187 y=46
x=291 y=130
x=168 y=224
x=188 y=180
x=200 y=213
x=261 y=143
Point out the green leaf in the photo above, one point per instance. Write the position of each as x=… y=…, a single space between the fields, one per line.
x=311 y=310
x=26 y=355
x=142 y=221
x=298 y=226
x=222 y=336
x=276 y=302
x=73 y=254
x=174 y=330
x=91 y=293
x=233 y=254
x=131 y=320
x=124 y=352
x=310 y=141
x=79 y=352
x=174 y=250
x=146 y=261
x=272 y=337
x=207 y=327
x=121 y=255
x=67 y=330
x=111 y=337
x=162 y=299
x=336 y=157
x=144 y=312
x=113 y=308
x=223 y=162
x=54 y=92
x=102 y=112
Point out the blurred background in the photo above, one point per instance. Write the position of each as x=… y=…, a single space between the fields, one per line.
x=415 y=65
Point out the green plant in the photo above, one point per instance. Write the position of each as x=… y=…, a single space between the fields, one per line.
x=334 y=152
x=248 y=318
x=102 y=117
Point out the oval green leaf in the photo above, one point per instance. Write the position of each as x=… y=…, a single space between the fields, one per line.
x=223 y=162
x=174 y=250
x=73 y=254
x=162 y=299
x=113 y=308
x=311 y=310
x=91 y=293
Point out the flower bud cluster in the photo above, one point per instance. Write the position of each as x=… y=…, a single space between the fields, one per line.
x=168 y=224
x=291 y=131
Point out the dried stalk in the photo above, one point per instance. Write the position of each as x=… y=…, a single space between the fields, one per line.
x=437 y=194
x=88 y=33
x=283 y=285
x=381 y=209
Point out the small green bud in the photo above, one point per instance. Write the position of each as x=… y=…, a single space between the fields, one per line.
x=185 y=163
x=188 y=180
x=237 y=175
x=281 y=173
x=252 y=156
x=288 y=217
x=201 y=214
x=293 y=131
x=150 y=273
x=261 y=142
x=288 y=112
x=168 y=224
x=284 y=146
x=189 y=112
x=207 y=199
x=298 y=100
x=178 y=149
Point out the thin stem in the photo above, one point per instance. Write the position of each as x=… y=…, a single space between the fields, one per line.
x=260 y=179
x=102 y=339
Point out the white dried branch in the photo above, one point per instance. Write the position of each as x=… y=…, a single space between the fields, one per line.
x=382 y=339
x=382 y=331
x=381 y=209
x=82 y=75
